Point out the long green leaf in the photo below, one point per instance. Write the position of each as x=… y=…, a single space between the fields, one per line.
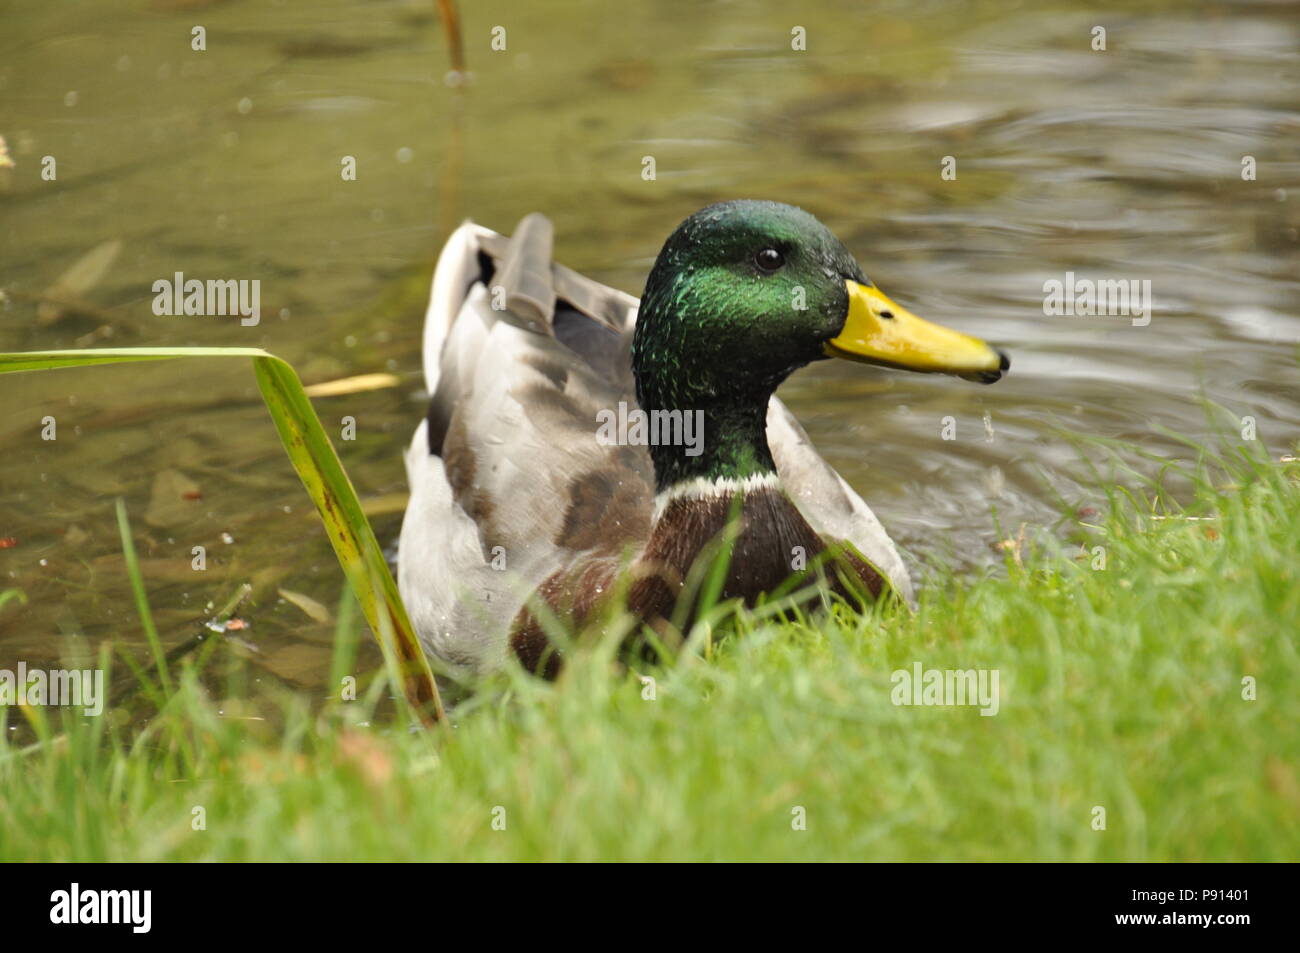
x=327 y=483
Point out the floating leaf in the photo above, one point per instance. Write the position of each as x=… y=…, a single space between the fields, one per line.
x=352 y=385
x=86 y=272
x=171 y=500
x=383 y=505
x=310 y=607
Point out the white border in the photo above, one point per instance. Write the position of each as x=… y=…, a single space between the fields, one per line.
x=706 y=488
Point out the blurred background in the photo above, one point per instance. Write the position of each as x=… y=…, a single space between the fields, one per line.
x=225 y=163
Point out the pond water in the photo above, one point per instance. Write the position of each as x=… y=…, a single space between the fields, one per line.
x=1123 y=163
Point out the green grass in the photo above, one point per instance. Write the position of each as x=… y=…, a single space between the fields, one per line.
x=1120 y=688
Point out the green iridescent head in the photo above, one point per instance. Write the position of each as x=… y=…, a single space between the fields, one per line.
x=744 y=293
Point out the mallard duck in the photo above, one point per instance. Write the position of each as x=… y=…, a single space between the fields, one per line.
x=532 y=491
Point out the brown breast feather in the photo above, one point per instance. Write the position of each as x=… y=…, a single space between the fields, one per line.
x=762 y=555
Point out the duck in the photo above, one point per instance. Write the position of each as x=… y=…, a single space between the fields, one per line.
x=582 y=446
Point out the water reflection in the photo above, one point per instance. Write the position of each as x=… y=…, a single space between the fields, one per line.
x=1120 y=164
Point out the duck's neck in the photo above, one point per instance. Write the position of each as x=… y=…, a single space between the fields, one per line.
x=732 y=446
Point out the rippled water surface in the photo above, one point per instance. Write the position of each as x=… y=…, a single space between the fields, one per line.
x=225 y=163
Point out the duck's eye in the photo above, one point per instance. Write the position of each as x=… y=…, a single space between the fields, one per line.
x=769 y=260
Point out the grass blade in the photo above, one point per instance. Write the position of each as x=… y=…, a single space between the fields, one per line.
x=141 y=598
x=322 y=474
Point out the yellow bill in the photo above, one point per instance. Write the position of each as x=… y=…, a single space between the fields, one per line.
x=877 y=331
